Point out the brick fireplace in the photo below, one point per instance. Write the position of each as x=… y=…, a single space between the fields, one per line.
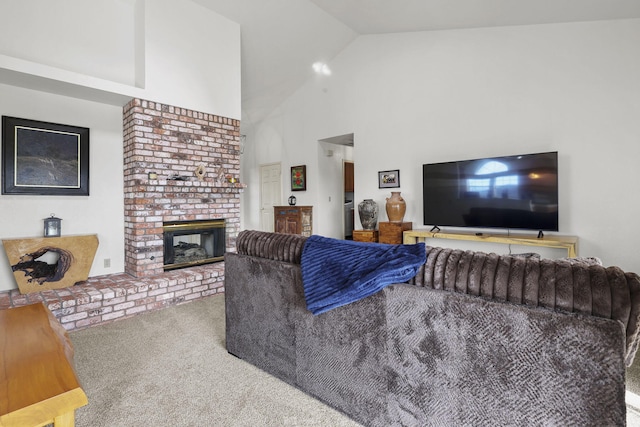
x=193 y=156
x=179 y=166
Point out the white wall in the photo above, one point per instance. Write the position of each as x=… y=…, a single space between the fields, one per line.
x=190 y=58
x=101 y=213
x=178 y=52
x=436 y=96
x=88 y=37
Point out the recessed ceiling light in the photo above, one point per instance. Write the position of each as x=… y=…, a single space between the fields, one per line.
x=321 y=68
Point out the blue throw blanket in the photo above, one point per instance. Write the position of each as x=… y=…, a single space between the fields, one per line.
x=339 y=272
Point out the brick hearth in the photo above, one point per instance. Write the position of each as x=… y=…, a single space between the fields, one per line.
x=171 y=142
x=103 y=299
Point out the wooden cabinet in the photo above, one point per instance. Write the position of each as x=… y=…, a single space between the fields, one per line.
x=365 y=236
x=293 y=219
x=391 y=232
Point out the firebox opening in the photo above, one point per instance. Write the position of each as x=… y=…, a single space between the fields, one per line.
x=189 y=243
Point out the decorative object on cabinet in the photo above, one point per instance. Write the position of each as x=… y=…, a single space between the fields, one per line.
x=293 y=220
x=292 y=200
x=368 y=211
x=299 y=178
x=396 y=207
x=365 y=236
x=391 y=232
x=41 y=158
x=389 y=179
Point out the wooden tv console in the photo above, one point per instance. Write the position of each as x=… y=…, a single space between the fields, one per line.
x=38 y=385
x=569 y=243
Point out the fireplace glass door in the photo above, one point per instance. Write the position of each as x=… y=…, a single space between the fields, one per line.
x=189 y=243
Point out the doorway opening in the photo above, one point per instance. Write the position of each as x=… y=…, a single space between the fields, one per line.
x=338 y=158
x=270 y=193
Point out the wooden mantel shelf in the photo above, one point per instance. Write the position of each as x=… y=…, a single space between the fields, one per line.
x=232 y=186
x=74 y=259
x=569 y=243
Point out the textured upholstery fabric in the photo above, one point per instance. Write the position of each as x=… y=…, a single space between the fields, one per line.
x=476 y=339
x=277 y=246
x=574 y=287
x=341 y=356
x=461 y=360
x=269 y=313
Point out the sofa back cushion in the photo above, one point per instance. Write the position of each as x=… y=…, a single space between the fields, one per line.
x=572 y=287
x=276 y=246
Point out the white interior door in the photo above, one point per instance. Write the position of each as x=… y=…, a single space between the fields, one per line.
x=270 y=193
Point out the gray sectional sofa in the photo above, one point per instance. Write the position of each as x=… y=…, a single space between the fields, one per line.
x=473 y=340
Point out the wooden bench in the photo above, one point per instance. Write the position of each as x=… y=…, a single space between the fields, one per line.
x=38 y=385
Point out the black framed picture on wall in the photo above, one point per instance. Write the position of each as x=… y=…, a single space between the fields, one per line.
x=389 y=179
x=299 y=178
x=41 y=158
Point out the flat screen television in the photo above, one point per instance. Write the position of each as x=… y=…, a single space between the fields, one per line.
x=519 y=192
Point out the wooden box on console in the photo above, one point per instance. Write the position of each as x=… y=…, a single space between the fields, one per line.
x=391 y=232
x=365 y=236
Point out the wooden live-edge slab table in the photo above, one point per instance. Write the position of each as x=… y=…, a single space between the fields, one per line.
x=38 y=385
x=75 y=257
x=569 y=243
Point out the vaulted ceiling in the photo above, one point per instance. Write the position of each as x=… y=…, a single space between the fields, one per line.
x=281 y=39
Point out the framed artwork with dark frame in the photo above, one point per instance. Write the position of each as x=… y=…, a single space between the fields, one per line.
x=299 y=178
x=389 y=179
x=41 y=158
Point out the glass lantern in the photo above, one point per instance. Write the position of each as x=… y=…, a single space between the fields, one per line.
x=52 y=226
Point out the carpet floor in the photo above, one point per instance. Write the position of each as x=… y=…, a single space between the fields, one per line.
x=171 y=368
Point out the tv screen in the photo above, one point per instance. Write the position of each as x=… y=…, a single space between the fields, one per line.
x=499 y=192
